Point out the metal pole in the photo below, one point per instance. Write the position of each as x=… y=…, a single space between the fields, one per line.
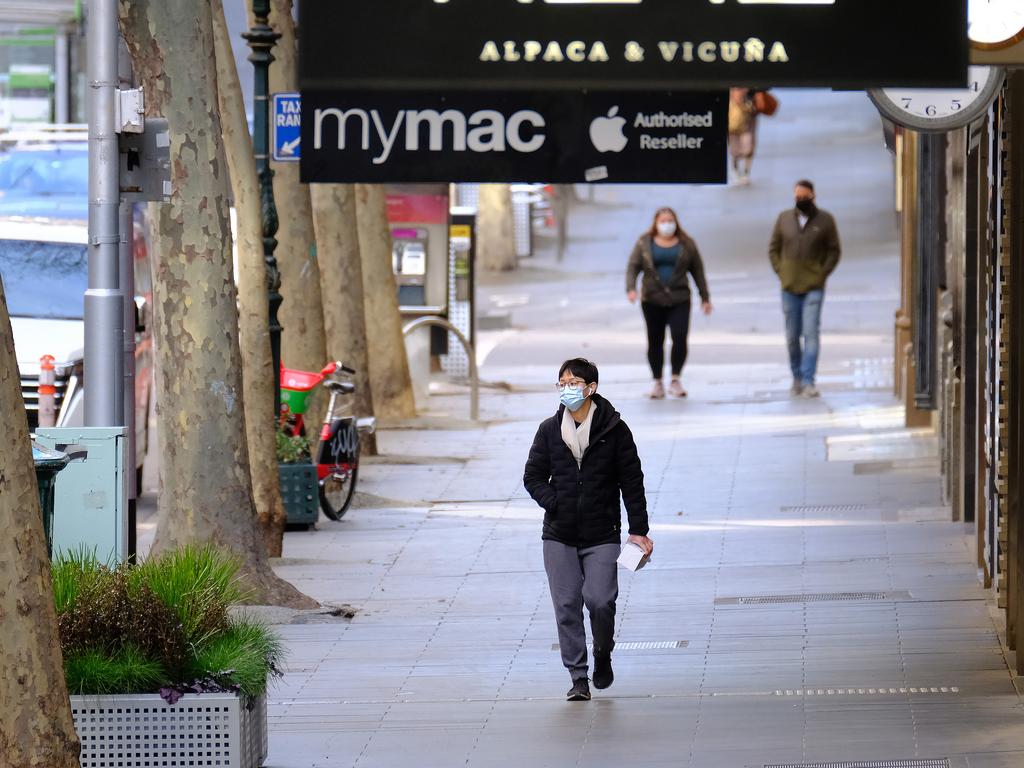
x=126 y=259
x=104 y=303
x=261 y=39
x=61 y=78
x=930 y=248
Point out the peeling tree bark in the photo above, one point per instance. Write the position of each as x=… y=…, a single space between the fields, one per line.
x=334 y=216
x=389 y=365
x=303 y=344
x=205 y=493
x=253 y=319
x=495 y=228
x=36 y=729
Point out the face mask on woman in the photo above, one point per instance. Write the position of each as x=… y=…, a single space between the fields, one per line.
x=667 y=228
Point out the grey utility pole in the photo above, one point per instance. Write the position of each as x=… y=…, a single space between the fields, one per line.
x=104 y=300
x=261 y=39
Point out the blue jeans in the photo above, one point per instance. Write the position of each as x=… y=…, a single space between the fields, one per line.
x=803 y=326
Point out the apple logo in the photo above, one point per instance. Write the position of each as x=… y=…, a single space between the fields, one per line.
x=606 y=132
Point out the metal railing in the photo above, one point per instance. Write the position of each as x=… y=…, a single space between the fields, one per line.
x=474 y=379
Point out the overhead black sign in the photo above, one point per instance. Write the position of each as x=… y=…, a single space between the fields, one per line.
x=631 y=44
x=372 y=136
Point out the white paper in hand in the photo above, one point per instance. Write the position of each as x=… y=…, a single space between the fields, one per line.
x=632 y=557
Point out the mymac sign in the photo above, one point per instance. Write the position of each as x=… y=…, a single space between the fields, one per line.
x=438 y=45
x=411 y=137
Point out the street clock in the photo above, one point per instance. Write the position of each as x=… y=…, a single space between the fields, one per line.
x=995 y=24
x=937 y=110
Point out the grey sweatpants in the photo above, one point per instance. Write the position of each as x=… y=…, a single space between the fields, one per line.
x=577 y=577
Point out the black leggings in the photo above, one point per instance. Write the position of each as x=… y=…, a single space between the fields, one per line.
x=677 y=318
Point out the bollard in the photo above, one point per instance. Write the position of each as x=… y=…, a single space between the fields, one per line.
x=47 y=392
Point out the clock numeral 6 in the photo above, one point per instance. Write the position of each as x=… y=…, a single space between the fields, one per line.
x=930 y=110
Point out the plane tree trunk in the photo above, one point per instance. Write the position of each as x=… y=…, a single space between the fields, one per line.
x=36 y=728
x=334 y=216
x=303 y=343
x=205 y=490
x=390 y=381
x=253 y=319
x=495 y=228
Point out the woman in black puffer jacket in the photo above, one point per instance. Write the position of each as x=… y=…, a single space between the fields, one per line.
x=582 y=460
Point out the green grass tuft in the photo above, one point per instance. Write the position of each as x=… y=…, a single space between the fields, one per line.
x=98 y=673
x=72 y=573
x=247 y=654
x=198 y=583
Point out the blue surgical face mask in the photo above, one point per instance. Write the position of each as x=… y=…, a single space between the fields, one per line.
x=573 y=397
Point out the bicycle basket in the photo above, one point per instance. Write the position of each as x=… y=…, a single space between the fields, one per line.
x=296 y=387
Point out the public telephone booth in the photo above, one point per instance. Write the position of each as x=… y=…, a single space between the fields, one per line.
x=432 y=265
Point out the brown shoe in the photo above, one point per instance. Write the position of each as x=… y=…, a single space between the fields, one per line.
x=658 y=391
x=676 y=388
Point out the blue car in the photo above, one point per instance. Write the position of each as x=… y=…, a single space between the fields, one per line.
x=46 y=180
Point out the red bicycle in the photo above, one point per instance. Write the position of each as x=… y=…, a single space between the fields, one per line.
x=337 y=456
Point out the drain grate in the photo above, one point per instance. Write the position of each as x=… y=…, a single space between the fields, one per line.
x=819 y=597
x=824 y=509
x=942 y=763
x=651 y=645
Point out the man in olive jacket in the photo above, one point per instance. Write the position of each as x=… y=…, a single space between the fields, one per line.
x=581 y=460
x=804 y=251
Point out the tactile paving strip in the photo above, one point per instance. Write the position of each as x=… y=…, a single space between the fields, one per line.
x=941 y=763
x=651 y=645
x=816 y=597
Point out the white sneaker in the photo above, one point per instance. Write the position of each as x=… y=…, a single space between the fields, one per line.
x=676 y=388
x=810 y=392
x=797 y=389
x=658 y=391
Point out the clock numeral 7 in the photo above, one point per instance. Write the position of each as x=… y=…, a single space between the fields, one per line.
x=906 y=102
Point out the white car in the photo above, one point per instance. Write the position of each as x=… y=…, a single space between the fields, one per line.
x=44 y=267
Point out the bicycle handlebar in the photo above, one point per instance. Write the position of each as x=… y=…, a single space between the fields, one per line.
x=330 y=368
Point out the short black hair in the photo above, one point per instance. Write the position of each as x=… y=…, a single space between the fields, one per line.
x=581 y=367
x=806 y=183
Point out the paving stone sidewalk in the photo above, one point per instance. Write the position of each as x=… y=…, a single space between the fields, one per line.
x=809 y=600
x=875 y=641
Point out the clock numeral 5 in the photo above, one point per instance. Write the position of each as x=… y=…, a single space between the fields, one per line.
x=957 y=106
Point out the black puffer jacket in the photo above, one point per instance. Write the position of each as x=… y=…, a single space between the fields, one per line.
x=581 y=504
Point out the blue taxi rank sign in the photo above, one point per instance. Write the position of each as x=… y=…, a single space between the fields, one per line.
x=287 y=138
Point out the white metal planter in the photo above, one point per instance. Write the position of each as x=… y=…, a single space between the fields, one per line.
x=200 y=731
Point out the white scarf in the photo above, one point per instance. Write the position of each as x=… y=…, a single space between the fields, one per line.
x=577 y=438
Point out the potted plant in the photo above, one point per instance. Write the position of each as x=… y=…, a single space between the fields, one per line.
x=300 y=489
x=160 y=671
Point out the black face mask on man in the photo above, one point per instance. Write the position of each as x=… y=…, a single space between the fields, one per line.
x=804 y=205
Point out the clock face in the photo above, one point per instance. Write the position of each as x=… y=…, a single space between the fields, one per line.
x=940 y=109
x=995 y=24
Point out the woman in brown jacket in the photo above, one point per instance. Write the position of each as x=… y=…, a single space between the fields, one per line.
x=666 y=256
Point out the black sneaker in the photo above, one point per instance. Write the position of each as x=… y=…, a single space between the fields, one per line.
x=603 y=675
x=580 y=690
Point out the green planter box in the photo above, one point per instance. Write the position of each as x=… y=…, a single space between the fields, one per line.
x=301 y=493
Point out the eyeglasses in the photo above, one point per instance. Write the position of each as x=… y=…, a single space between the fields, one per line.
x=574 y=383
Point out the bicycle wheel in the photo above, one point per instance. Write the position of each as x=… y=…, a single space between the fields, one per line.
x=337 y=490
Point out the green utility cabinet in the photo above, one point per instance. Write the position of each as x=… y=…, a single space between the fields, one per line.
x=90 y=508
